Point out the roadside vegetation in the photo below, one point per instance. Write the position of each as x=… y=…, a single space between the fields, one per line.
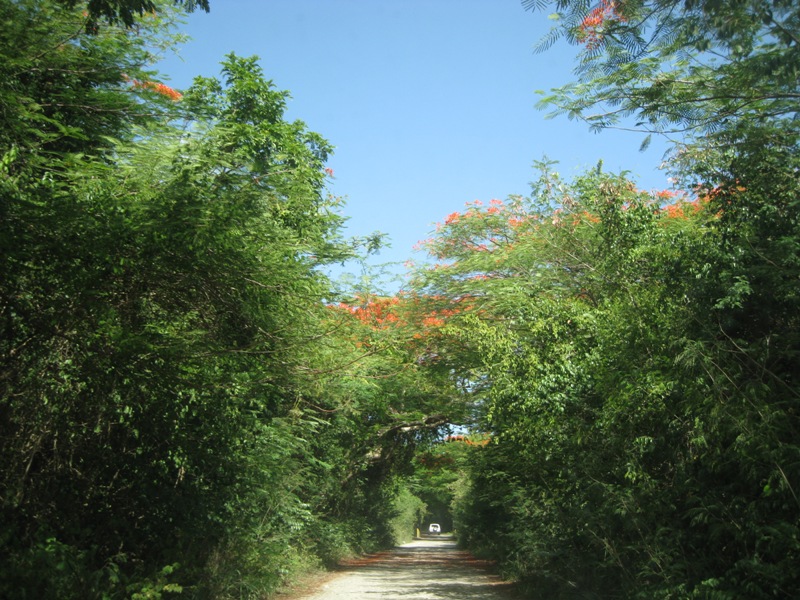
x=593 y=384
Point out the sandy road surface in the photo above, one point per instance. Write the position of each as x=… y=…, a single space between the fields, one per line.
x=432 y=568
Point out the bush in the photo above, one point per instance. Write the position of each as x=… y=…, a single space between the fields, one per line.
x=409 y=512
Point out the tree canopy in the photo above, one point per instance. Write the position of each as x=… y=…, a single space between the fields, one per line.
x=126 y=12
x=633 y=354
x=594 y=384
x=181 y=410
x=679 y=67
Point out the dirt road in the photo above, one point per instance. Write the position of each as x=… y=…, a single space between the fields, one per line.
x=432 y=568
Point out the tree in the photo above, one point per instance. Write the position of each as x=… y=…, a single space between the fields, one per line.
x=160 y=297
x=64 y=92
x=125 y=12
x=684 y=67
x=625 y=379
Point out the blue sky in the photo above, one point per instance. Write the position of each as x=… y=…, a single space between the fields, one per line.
x=429 y=103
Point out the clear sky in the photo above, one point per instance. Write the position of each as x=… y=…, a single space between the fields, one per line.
x=429 y=103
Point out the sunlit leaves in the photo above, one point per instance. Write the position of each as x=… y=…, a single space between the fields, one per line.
x=676 y=67
x=576 y=324
x=164 y=325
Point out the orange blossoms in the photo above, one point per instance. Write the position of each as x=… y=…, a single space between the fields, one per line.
x=681 y=210
x=157 y=87
x=396 y=311
x=591 y=29
x=378 y=313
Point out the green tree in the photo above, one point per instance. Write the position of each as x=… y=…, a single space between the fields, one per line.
x=67 y=93
x=675 y=66
x=618 y=402
x=125 y=12
x=160 y=296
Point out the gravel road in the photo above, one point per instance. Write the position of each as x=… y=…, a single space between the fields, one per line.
x=431 y=568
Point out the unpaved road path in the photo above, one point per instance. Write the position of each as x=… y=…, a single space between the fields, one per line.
x=431 y=568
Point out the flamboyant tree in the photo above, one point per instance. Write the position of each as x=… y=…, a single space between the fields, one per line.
x=615 y=333
x=639 y=358
x=683 y=67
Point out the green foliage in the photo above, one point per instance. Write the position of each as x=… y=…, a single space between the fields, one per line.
x=635 y=360
x=409 y=514
x=439 y=479
x=165 y=420
x=182 y=410
x=639 y=424
x=66 y=93
x=681 y=67
x=125 y=12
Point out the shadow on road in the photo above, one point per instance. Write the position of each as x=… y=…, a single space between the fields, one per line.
x=431 y=567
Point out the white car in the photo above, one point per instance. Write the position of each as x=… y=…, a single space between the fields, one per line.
x=434 y=528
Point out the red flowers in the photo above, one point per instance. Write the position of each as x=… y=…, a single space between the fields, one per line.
x=378 y=313
x=157 y=87
x=682 y=209
x=593 y=26
x=452 y=218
